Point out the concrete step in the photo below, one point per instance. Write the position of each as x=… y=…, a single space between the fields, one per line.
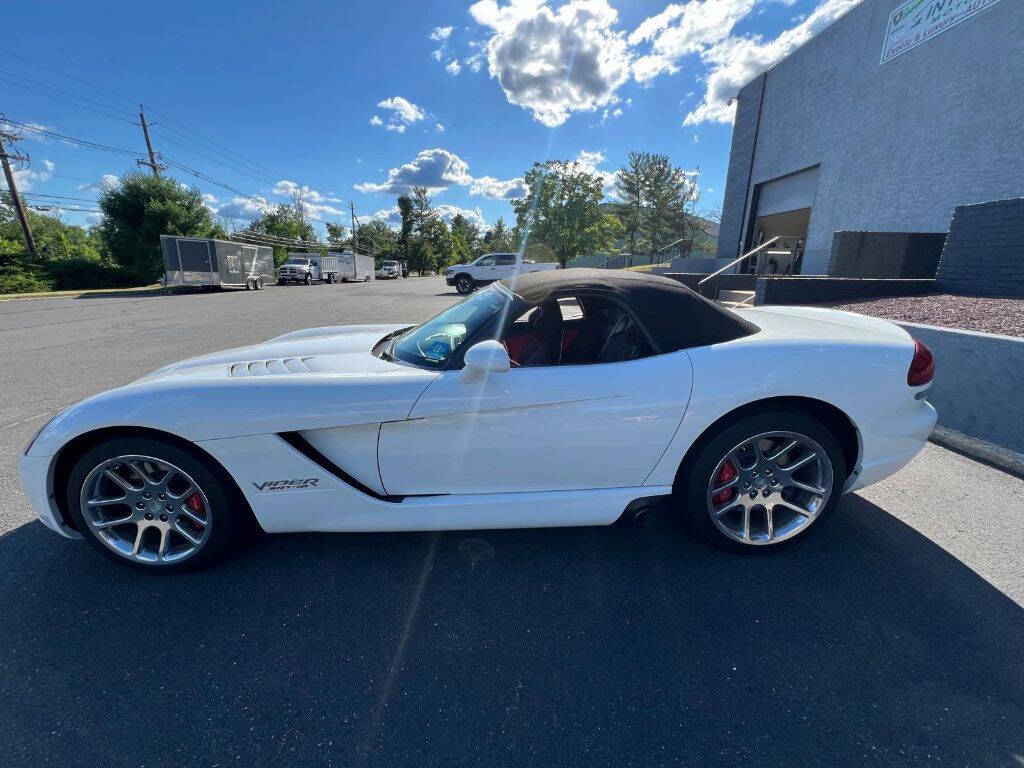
x=735 y=297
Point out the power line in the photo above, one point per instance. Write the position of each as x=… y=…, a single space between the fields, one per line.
x=211 y=180
x=255 y=167
x=59 y=197
x=68 y=101
x=65 y=74
x=213 y=159
x=72 y=139
x=167 y=117
x=68 y=93
x=276 y=174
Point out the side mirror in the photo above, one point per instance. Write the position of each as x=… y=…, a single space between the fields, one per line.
x=484 y=358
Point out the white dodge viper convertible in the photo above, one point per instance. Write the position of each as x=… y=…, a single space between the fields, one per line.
x=559 y=398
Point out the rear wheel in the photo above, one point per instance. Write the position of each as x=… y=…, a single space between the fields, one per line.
x=152 y=505
x=763 y=481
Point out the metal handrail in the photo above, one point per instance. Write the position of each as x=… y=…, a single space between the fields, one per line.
x=733 y=263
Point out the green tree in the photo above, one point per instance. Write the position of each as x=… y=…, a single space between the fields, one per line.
x=378 y=238
x=630 y=184
x=562 y=210
x=422 y=208
x=286 y=221
x=467 y=232
x=139 y=209
x=500 y=239
x=408 y=223
x=657 y=204
x=337 y=234
x=440 y=244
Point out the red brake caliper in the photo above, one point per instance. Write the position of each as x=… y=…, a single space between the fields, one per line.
x=195 y=502
x=725 y=474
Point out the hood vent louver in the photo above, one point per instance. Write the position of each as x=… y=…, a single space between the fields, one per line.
x=276 y=367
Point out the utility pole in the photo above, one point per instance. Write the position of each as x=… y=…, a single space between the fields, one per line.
x=19 y=207
x=149 y=145
x=352 y=207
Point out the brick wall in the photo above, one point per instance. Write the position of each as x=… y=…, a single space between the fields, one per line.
x=885 y=254
x=984 y=252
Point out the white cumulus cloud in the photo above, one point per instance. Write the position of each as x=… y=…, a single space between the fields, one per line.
x=555 y=62
x=683 y=29
x=453 y=67
x=307 y=194
x=498 y=189
x=106 y=180
x=440 y=34
x=402 y=109
x=393 y=218
x=735 y=61
x=437 y=169
x=244 y=209
x=26 y=178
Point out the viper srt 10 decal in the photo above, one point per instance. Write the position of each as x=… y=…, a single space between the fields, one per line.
x=287 y=485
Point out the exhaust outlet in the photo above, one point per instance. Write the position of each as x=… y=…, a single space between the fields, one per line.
x=645 y=515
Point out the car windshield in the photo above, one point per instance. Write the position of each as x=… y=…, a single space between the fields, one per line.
x=297 y=261
x=434 y=342
x=390 y=263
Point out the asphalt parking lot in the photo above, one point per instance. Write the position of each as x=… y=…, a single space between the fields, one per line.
x=891 y=637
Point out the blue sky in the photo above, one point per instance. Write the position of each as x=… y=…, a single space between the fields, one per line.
x=356 y=101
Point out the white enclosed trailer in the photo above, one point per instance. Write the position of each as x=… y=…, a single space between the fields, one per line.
x=354 y=266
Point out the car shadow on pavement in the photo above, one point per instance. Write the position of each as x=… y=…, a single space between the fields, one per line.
x=866 y=644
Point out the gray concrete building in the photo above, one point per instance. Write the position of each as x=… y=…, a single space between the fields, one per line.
x=886 y=121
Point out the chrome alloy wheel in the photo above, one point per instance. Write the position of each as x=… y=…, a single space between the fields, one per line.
x=146 y=509
x=769 y=487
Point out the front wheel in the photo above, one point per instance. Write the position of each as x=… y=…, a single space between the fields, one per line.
x=309 y=279
x=152 y=505
x=464 y=285
x=763 y=481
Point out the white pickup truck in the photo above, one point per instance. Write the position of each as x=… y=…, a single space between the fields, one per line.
x=489 y=268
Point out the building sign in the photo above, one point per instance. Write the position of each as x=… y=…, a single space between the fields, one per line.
x=918 y=21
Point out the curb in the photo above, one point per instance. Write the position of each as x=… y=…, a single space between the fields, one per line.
x=77 y=294
x=980 y=450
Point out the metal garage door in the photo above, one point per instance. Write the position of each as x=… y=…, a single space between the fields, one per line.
x=789 y=193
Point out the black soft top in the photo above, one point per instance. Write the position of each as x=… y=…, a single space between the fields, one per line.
x=674 y=316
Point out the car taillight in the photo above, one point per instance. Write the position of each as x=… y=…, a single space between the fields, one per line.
x=922 y=367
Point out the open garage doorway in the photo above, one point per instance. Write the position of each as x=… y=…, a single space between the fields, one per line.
x=781 y=208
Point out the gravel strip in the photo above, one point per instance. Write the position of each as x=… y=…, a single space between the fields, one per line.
x=972 y=313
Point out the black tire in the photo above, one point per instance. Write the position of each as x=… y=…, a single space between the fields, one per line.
x=229 y=513
x=259 y=283
x=330 y=278
x=309 y=279
x=280 y=282
x=691 y=492
x=249 y=285
x=464 y=285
